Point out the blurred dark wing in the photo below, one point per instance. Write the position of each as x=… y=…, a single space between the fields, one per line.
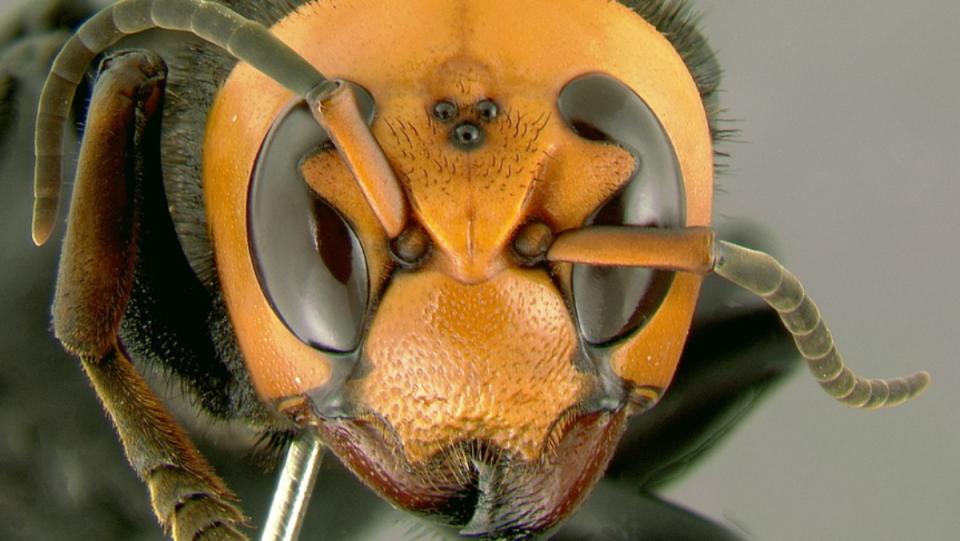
x=617 y=513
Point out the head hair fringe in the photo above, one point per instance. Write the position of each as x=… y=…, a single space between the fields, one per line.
x=680 y=24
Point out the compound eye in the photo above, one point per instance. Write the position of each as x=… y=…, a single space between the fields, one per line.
x=307 y=257
x=614 y=302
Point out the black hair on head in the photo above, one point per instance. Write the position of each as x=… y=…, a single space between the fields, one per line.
x=176 y=320
x=197 y=70
x=679 y=23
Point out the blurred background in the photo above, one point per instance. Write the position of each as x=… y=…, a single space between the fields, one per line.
x=851 y=130
x=848 y=157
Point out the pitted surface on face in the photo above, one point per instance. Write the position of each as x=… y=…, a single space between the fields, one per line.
x=467 y=351
x=437 y=377
x=522 y=66
x=469 y=347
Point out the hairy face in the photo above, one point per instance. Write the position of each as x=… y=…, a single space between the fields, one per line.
x=476 y=379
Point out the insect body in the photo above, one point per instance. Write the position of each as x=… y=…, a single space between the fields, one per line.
x=462 y=264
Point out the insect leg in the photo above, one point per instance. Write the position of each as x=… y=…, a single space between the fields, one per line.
x=94 y=285
x=187 y=496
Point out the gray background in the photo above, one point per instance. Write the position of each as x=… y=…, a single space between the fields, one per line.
x=851 y=130
x=849 y=158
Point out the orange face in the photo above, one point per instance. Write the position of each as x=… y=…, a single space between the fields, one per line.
x=427 y=375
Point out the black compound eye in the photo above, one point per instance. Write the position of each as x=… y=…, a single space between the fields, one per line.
x=614 y=302
x=488 y=110
x=445 y=111
x=308 y=259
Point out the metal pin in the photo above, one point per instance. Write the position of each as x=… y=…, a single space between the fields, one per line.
x=294 y=488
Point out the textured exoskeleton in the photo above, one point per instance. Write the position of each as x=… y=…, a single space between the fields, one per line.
x=461 y=266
